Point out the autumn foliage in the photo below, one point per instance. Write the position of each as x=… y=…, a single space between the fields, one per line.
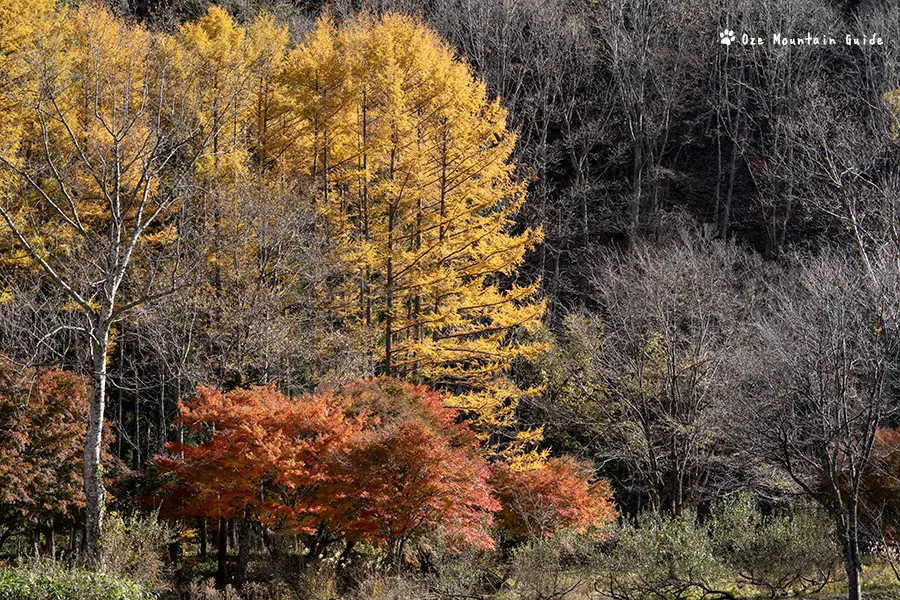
x=413 y=468
x=413 y=166
x=555 y=496
x=42 y=424
x=379 y=461
x=259 y=452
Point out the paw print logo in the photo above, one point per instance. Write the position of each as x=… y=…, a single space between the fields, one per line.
x=726 y=36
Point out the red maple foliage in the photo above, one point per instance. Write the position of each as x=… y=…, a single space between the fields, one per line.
x=42 y=426
x=555 y=496
x=413 y=469
x=258 y=451
x=380 y=461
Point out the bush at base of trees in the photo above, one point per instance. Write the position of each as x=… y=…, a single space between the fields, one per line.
x=661 y=556
x=776 y=554
x=561 y=566
x=51 y=582
x=675 y=557
x=133 y=547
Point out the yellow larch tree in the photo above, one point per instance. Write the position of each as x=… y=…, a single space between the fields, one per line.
x=226 y=70
x=414 y=172
x=271 y=131
x=19 y=20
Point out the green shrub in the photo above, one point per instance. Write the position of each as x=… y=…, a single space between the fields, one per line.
x=661 y=557
x=556 y=567
x=776 y=554
x=132 y=546
x=449 y=573
x=47 y=582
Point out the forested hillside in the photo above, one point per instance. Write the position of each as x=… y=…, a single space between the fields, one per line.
x=449 y=299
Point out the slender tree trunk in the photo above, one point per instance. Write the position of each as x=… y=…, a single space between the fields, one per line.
x=161 y=426
x=271 y=543
x=243 y=551
x=121 y=419
x=847 y=531
x=137 y=430
x=203 y=535
x=345 y=555
x=174 y=548
x=50 y=541
x=854 y=564
x=634 y=205
x=854 y=588
x=389 y=301
x=314 y=547
x=73 y=534
x=221 y=554
x=94 y=492
x=725 y=217
x=719 y=170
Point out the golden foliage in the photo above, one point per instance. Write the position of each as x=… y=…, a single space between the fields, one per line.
x=413 y=169
x=892 y=100
x=408 y=159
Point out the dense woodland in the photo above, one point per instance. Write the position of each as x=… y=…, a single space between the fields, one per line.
x=539 y=299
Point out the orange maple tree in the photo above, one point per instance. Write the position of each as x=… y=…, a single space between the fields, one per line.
x=43 y=417
x=413 y=469
x=554 y=496
x=378 y=461
x=255 y=450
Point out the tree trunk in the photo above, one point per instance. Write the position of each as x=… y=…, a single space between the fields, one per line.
x=94 y=492
x=271 y=543
x=389 y=301
x=634 y=204
x=725 y=216
x=161 y=426
x=345 y=555
x=50 y=541
x=221 y=554
x=73 y=535
x=848 y=531
x=243 y=551
x=854 y=564
x=854 y=589
x=203 y=535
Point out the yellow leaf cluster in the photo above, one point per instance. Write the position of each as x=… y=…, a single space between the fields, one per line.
x=892 y=100
x=413 y=169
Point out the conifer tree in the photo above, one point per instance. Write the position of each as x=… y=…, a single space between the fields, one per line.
x=414 y=173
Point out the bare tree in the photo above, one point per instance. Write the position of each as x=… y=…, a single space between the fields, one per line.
x=115 y=143
x=655 y=83
x=822 y=368
x=267 y=322
x=645 y=377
